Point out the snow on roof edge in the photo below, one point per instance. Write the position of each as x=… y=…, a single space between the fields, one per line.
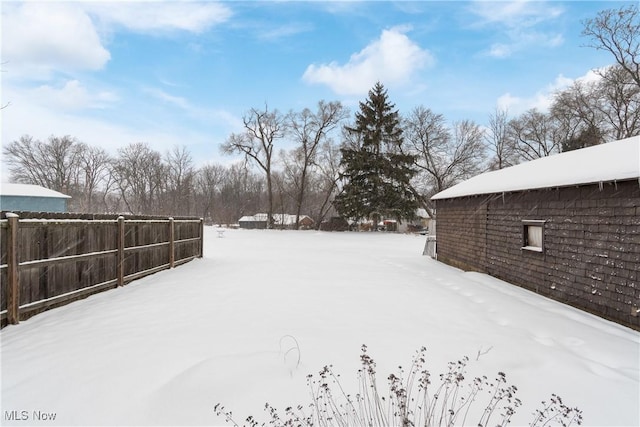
x=29 y=190
x=612 y=161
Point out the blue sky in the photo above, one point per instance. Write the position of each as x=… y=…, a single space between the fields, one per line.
x=184 y=72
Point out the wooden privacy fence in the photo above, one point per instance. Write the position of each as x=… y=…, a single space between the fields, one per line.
x=48 y=260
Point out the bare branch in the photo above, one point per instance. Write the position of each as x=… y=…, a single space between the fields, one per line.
x=618 y=32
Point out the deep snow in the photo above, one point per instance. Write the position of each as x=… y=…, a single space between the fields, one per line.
x=165 y=349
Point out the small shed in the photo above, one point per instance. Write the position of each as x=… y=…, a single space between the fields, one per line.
x=565 y=226
x=31 y=198
x=257 y=221
x=283 y=221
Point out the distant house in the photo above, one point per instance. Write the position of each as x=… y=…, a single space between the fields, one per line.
x=306 y=222
x=419 y=223
x=286 y=221
x=565 y=226
x=31 y=198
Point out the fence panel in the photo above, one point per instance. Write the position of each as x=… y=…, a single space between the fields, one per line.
x=61 y=258
x=187 y=240
x=3 y=264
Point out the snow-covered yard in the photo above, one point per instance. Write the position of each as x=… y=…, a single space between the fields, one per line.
x=165 y=349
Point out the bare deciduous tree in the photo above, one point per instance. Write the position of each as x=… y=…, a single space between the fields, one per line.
x=309 y=130
x=325 y=181
x=241 y=193
x=577 y=109
x=256 y=143
x=468 y=150
x=444 y=156
x=618 y=99
x=498 y=141
x=208 y=181
x=426 y=135
x=140 y=176
x=53 y=164
x=94 y=168
x=618 y=32
x=596 y=111
x=63 y=164
x=111 y=196
x=536 y=135
x=179 y=181
x=293 y=178
x=284 y=195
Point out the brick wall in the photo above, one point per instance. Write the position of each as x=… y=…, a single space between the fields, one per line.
x=591 y=256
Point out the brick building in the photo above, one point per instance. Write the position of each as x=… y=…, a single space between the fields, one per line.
x=565 y=226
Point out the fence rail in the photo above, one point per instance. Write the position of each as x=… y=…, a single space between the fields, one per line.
x=48 y=260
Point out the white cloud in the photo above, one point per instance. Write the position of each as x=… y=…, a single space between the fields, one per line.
x=507 y=102
x=73 y=108
x=500 y=50
x=151 y=16
x=391 y=59
x=517 y=20
x=72 y=95
x=519 y=40
x=27 y=115
x=283 y=31
x=197 y=112
x=542 y=99
x=592 y=76
x=43 y=122
x=40 y=37
x=555 y=40
x=515 y=14
x=160 y=94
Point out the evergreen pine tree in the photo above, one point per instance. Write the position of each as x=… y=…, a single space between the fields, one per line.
x=375 y=173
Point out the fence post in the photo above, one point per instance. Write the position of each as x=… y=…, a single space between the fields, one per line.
x=120 y=260
x=201 y=254
x=172 y=246
x=13 y=273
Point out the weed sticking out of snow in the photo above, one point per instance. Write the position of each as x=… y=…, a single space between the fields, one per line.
x=292 y=351
x=410 y=401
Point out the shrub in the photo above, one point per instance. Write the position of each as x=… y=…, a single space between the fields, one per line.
x=335 y=223
x=413 y=401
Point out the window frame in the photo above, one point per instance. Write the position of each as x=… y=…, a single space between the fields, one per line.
x=526 y=246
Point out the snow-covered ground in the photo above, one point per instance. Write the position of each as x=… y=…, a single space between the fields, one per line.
x=165 y=349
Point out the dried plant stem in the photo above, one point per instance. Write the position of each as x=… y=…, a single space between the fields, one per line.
x=409 y=402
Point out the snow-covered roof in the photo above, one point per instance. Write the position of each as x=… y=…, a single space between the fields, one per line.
x=613 y=161
x=29 y=190
x=254 y=218
x=422 y=213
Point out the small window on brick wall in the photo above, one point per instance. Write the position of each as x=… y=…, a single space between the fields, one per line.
x=533 y=235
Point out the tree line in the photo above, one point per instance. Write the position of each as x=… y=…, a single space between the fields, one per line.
x=380 y=163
